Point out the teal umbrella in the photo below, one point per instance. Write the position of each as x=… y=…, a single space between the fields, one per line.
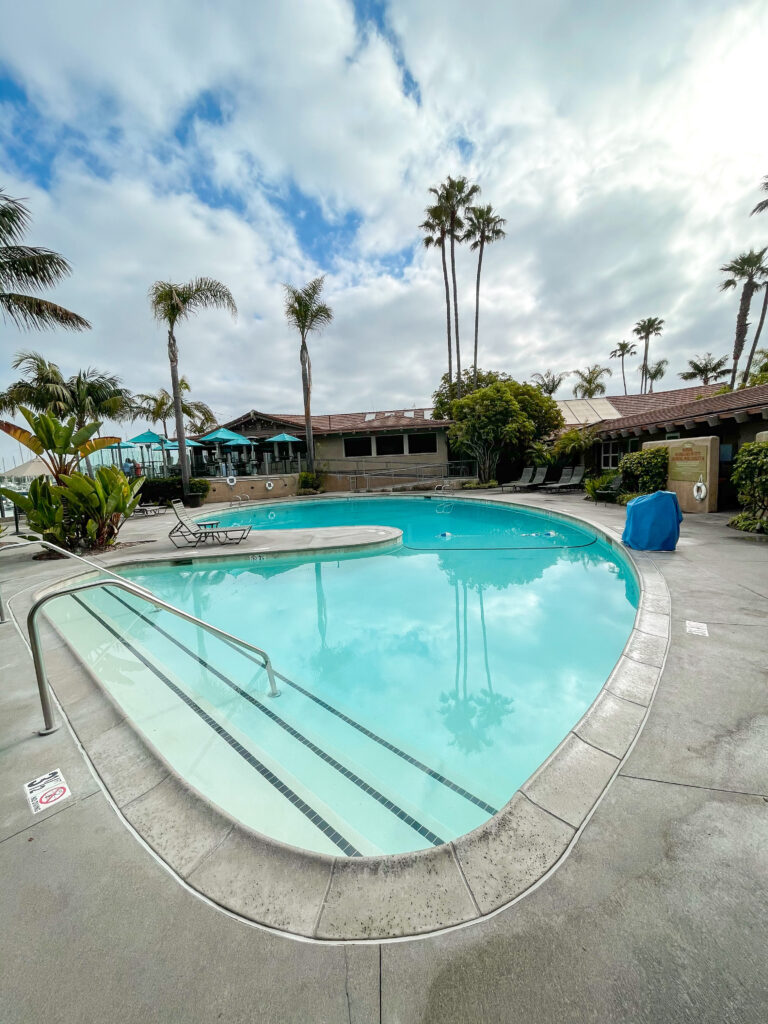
x=148 y=437
x=222 y=435
x=281 y=437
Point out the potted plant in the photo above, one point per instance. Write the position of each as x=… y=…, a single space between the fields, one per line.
x=198 y=489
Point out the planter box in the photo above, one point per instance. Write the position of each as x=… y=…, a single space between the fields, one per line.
x=193 y=500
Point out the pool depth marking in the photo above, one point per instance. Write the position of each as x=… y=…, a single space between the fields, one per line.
x=416 y=825
x=336 y=837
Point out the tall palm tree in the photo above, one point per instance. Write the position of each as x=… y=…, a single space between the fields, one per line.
x=706 y=368
x=655 y=372
x=484 y=227
x=646 y=329
x=453 y=197
x=305 y=311
x=158 y=408
x=590 y=384
x=31 y=268
x=623 y=350
x=170 y=304
x=750 y=269
x=549 y=381
x=435 y=229
x=762 y=206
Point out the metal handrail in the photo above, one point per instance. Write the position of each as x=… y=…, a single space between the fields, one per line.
x=132 y=588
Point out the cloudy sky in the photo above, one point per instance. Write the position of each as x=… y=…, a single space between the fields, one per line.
x=260 y=143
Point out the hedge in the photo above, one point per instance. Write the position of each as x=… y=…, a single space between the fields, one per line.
x=166 y=489
x=750 y=475
x=644 y=472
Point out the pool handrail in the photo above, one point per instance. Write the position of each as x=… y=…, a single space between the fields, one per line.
x=132 y=588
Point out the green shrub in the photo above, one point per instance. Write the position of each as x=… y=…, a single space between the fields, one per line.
x=644 y=472
x=162 y=491
x=307 y=490
x=475 y=485
x=624 y=499
x=44 y=511
x=310 y=481
x=598 y=483
x=750 y=476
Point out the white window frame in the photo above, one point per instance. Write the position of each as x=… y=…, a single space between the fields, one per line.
x=610 y=451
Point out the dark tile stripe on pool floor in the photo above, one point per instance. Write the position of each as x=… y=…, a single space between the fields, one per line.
x=299 y=737
x=343 y=844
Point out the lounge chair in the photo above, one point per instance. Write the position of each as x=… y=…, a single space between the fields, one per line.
x=577 y=480
x=149 y=510
x=525 y=478
x=195 y=531
x=447 y=485
x=565 y=479
x=538 y=479
x=611 y=491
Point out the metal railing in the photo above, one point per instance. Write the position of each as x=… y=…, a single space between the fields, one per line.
x=131 y=588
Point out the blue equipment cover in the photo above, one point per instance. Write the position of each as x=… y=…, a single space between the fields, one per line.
x=653 y=522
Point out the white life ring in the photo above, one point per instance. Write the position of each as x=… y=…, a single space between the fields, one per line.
x=271 y=515
x=231 y=480
x=700 y=489
x=269 y=485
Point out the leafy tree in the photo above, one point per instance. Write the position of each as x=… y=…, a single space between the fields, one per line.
x=706 y=368
x=749 y=269
x=539 y=453
x=549 y=381
x=750 y=475
x=650 y=327
x=655 y=372
x=60 y=446
x=305 y=312
x=503 y=414
x=33 y=269
x=172 y=303
x=452 y=197
x=158 y=408
x=589 y=383
x=575 y=441
x=448 y=390
x=623 y=350
x=435 y=229
x=484 y=227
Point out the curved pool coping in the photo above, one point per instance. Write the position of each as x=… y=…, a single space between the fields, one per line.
x=386 y=897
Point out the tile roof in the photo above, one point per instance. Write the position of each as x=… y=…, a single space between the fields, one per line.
x=749 y=400
x=350 y=422
x=630 y=405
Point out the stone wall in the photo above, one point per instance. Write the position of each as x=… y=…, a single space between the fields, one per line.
x=284 y=486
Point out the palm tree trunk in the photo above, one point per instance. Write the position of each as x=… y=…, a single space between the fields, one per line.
x=466 y=646
x=623 y=376
x=756 y=338
x=644 y=374
x=447 y=316
x=455 y=312
x=306 y=384
x=742 y=326
x=485 y=640
x=173 y=358
x=458 y=638
x=477 y=311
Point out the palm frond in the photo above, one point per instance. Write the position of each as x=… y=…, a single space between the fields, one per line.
x=28 y=312
x=24 y=266
x=14 y=219
x=762 y=206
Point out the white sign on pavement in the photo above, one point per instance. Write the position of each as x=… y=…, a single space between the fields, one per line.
x=46 y=791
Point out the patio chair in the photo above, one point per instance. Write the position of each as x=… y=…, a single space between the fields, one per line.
x=524 y=478
x=195 y=531
x=610 y=492
x=149 y=510
x=565 y=479
x=446 y=485
x=577 y=480
x=538 y=479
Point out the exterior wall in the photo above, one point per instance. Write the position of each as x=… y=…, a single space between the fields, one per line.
x=331 y=449
x=689 y=459
x=253 y=487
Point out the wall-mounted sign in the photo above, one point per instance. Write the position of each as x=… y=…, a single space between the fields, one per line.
x=688 y=461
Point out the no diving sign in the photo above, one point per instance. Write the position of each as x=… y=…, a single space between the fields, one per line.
x=46 y=791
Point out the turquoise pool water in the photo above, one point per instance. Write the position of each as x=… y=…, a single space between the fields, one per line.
x=422 y=684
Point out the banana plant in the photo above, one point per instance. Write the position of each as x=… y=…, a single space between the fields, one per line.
x=59 y=445
x=95 y=508
x=43 y=509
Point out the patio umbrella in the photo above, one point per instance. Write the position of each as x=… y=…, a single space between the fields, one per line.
x=222 y=435
x=147 y=438
x=281 y=437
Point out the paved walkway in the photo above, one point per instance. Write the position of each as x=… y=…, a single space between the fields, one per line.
x=660 y=914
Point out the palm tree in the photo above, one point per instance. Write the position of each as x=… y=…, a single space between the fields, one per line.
x=435 y=229
x=158 y=408
x=706 y=368
x=623 y=350
x=645 y=329
x=32 y=268
x=590 y=383
x=548 y=382
x=453 y=197
x=484 y=227
x=655 y=372
x=305 y=312
x=762 y=206
x=174 y=302
x=749 y=268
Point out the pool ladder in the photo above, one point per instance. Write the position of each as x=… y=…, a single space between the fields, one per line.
x=131 y=588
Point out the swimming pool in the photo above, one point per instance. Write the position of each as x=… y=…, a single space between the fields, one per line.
x=420 y=685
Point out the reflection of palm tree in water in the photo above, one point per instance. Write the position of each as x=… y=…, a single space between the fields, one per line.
x=322 y=608
x=468 y=717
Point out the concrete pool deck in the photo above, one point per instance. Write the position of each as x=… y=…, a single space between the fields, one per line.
x=659 y=913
